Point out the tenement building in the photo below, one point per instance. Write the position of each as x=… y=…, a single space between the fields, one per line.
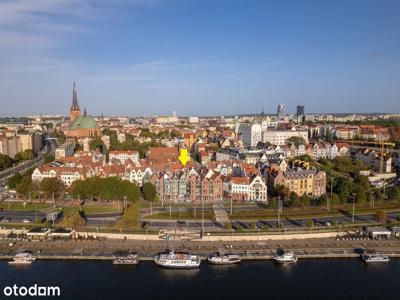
x=299 y=178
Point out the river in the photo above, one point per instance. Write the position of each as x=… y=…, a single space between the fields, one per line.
x=308 y=279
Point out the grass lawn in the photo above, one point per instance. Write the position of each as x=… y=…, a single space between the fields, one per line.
x=20 y=206
x=183 y=215
x=131 y=217
x=294 y=213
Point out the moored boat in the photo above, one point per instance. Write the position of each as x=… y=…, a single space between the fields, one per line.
x=173 y=260
x=286 y=258
x=228 y=259
x=125 y=258
x=374 y=257
x=23 y=258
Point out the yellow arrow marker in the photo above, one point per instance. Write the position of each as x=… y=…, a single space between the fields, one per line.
x=184 y=157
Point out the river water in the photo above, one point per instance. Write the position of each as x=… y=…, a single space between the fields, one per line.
x=308 y=279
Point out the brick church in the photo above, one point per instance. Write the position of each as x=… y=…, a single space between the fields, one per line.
x=81 y=126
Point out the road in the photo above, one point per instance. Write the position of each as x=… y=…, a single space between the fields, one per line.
x=149 y=248
x=289 y=223
x=19 y=216
x=21 y=168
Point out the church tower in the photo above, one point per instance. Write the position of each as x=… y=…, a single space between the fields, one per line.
x=75 y=110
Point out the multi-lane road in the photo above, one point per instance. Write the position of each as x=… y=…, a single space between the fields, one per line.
x=270 y=223
x=23 y=167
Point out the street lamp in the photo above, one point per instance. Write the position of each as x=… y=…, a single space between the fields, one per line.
x=329 y=200
x=279 y=211
x=202 y=214
x=354 y=203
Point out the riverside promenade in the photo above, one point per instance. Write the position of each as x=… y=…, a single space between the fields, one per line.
x=311 y=245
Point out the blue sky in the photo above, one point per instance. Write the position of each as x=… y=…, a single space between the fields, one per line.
x=199 y=57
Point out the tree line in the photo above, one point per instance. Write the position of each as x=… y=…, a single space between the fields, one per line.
x=109 y=188
x=7 y=162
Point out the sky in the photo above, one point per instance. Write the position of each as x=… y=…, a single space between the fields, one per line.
x=199 y=57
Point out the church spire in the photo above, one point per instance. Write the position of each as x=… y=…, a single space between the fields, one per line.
x=75 y=105
x=75 y=110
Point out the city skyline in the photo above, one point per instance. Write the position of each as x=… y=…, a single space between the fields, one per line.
x=154 y=57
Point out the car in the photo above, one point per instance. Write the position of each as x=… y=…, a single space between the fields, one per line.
x=11 y=244
x=6 y=220
x=26 y=221
x=181 y=223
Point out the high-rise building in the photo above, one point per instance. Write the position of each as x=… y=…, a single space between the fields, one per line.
x=31 y=141
x=300 y=110
x=250 y=134
x=10 y=146
x=281 y=111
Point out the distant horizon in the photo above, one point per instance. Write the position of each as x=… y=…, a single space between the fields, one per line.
x=205 y=116
x=204 y=57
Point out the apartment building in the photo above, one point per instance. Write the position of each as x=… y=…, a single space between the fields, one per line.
x=279 y=137
x=123 y=156
x=10 y=146
x=299 y=178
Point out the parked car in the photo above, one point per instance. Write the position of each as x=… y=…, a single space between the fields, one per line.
x=26 y=221
x=6 y=220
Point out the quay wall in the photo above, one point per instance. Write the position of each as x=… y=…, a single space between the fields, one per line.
x=206 y=238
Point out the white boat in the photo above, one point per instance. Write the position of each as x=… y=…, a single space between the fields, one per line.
x=177 y=260
x=374 y=257
x=125 y=258
x=228 y=259
x=23 y=258
x=286 y=258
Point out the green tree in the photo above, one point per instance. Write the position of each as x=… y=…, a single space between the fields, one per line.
x=296 y=140
x=26 y=187
x=294 y=199
x=343 y=187
x=52 y=186
x=310 y=223
x=305 y=200
x=394 y=193
x=60 y=136
x=335 y=199
x=110 y=188
x=378 y=195
x=361 y=197
x=304 y=157
x=131 y=217
x=48 y=158
x=14 y=180
x=72 y=218
x=24 y=155
x=228 y=226
x=96 y=143
x=5 y=162
x=281 y=191
x=149 y=191
x=323 y=199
